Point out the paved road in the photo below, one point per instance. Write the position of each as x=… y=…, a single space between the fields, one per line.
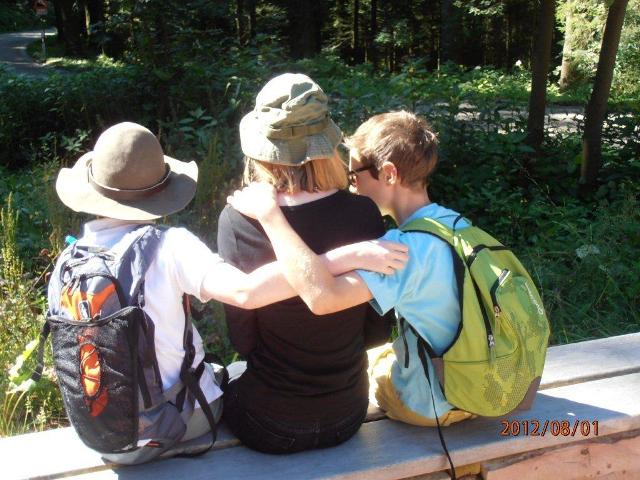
x=13 y=52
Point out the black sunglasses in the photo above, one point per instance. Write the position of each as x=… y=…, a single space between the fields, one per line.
x=352 y=175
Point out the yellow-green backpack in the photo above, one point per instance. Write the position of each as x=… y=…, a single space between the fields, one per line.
x=494 y=364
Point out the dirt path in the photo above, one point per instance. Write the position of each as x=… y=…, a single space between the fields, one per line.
x=13 y=52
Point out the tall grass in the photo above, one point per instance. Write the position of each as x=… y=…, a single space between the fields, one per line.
x=590 y=270
x=24 y=405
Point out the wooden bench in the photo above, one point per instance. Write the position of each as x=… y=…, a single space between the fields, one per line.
x=593 y=381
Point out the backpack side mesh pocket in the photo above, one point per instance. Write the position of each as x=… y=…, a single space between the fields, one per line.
x=97 y=368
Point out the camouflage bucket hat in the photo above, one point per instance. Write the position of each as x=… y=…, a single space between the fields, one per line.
x=290 y=124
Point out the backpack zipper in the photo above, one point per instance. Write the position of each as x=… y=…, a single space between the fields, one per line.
x=478 y=248
x=494 y=288
x=487 y=325
x=497 y=311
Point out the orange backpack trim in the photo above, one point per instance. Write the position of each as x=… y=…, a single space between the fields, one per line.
x=71 y=298
x=96 y=397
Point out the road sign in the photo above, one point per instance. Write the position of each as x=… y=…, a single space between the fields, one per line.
x=41 y=7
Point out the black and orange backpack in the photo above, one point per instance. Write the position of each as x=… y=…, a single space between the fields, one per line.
x=104 y=353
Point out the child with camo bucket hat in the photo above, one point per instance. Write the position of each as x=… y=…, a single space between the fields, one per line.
x=305 y=384
x=128 y=182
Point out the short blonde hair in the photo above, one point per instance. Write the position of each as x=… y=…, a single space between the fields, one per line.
x=402 y=138
x=316 y=175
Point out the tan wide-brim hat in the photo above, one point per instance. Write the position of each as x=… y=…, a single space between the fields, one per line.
x=128 y=177
x=290 y=124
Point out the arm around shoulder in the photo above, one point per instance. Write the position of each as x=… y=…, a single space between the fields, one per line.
x=308 y=275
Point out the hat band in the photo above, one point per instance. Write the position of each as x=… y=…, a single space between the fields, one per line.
x=296 y=131
x=128 y=194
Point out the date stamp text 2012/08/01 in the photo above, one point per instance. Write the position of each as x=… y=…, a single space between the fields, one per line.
x=555 y=428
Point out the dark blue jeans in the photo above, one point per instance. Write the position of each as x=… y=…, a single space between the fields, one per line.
x=260 y=432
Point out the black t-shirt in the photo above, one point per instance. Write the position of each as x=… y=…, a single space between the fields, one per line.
x=300 y=365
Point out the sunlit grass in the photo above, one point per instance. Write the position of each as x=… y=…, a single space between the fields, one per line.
x=56 y=58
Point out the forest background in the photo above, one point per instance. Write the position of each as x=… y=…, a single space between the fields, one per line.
x=561 y=190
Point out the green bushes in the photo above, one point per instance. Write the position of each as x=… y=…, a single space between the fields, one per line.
x=33 y=108
x=16 y=16
x=587 y=264
x=93 y=99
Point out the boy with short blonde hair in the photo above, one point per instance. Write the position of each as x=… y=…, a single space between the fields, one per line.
x=401 y=138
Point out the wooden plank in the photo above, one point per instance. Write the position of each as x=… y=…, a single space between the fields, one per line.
x=566 y=365
x=60 y=451
x=431 y=476
x=390 y=450
x=591 y=360
x=605 y=458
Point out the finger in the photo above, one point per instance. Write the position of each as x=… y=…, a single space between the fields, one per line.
x=395 y=246
x=397 y=264
x=396 y=256
x=402 y=256
x=400 y=247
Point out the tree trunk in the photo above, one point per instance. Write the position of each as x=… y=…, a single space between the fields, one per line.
x=392 y=51
x=252 y=18
x=341 y=11
x=306 y=18
x=450 y=32
x=240 y=22
x=539 y=72
x=507 y=47
x=355 y=33
x=597 y=106
x=373 y=33
x=567 y=70
x=94 y=12
x=74 y=26
x=57 y=7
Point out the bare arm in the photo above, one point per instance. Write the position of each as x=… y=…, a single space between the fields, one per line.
x=304 y=270
x=267 y=284
x=263 y=286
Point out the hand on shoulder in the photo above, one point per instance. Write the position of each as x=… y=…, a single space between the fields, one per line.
x=257 y=200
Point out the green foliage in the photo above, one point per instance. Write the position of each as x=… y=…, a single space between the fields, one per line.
x=587 y=263
x=16 y=16
x=587 y=19
x=34 y=107
x=627 y=71
x=56 y=57
x=587 y=27
x=25 y=405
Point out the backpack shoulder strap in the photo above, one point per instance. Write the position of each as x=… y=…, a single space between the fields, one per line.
x=53 y=296
x=133 y=261
x=448 y=236
x=430 y=225
x=435 y=227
